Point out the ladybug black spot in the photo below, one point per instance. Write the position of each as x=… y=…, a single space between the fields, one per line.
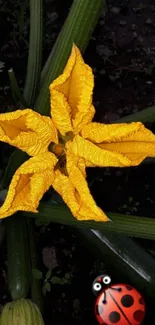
x=119 y=289
x=99 y=309
x=104 y=302
x=141 y=301
x=127 y=301
x=114 y=317
x=139 y=315
x=128 y=287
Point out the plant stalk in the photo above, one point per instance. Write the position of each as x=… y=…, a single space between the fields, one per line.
x=36 y=292
x=134 y=226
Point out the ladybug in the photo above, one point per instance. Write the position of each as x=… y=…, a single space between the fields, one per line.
x=119 y=304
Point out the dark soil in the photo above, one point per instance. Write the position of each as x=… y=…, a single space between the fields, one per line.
x=122 y=55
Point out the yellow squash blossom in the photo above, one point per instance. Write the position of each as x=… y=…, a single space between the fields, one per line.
x=61 y=147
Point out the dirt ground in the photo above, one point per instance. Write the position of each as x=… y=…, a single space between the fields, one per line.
x=122 y=55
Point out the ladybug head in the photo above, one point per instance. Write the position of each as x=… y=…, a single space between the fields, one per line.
x=100 y=282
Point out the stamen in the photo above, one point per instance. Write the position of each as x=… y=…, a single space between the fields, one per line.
x=57 y=149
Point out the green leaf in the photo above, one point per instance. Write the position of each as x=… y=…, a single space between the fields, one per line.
x=37 y=274
x=135 y=226
x=47 y=286
x=77 y=28
x=35 y=52
x=48 y=274
x=16 y=159
x=44 y=289
x=17 y=95
x=123 y=256
x=55 y=280
x=146 y=115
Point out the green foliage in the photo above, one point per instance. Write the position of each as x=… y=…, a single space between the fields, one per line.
x=51 y=279
x=37 y=274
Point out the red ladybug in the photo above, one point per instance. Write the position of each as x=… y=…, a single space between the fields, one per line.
x=119 y=304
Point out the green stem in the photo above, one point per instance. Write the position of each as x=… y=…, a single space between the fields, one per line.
x=77 y=29
x=35 y=52
x=36 y=292
x=130 y=225
x=18 y=256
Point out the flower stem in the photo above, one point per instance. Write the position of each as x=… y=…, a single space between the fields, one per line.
x=130 y=225
x=36 y=292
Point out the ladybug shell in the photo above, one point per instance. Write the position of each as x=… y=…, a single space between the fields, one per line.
x=123 y=307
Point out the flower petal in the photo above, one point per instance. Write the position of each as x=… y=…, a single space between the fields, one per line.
x=115 y=145
x=98 y=132
x=29 y=183
x=60 y=112
x=75 y=192
x=115 y=154
x=71 y=95
x=27 y=130
x=132 y=140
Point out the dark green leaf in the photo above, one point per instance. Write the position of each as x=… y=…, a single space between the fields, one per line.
x=47 y=286
x=55 y=280
x=37 y=274
x=48 y=274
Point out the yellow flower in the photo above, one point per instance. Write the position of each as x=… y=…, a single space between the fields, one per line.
x=61 y=147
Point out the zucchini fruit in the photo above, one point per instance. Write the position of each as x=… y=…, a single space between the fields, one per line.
x=19 y=271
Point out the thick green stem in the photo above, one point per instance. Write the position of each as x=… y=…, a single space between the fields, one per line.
x=130 y=225
x=36 y=292
x=77 y=29
x=35 y=52
x=18 y=257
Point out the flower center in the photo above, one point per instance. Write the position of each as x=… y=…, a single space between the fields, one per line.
x=58 y=149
